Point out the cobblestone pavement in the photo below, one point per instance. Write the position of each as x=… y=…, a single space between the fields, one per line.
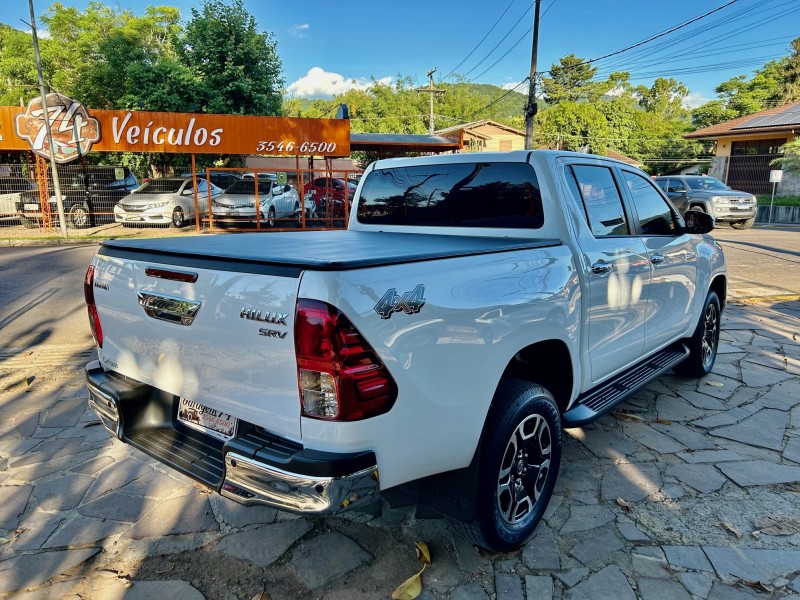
x=82 y=516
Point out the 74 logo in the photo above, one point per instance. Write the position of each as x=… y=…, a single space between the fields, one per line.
x=410 y=302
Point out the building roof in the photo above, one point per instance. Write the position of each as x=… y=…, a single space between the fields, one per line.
x=780 y=118
x=400 y=142
x=477 y=124
x=621 y=157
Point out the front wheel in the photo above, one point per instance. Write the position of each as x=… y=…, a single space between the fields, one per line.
x=178 y=218
x=746 y=224
x=271 y=217
x=518 y=464
x=79 y=216
x=704 y=342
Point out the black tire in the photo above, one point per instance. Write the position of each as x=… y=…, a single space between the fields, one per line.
x=704 y=342
x=30 y=223
x=271 y=217
x=178 y=218
x=79 y=217
x=516 y=474
x=746 y=224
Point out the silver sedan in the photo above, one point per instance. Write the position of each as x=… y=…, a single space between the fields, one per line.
x=276 y=202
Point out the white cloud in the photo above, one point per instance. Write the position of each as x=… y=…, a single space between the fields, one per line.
x=695 y=99
x=319 y=83
x=299 y=31
x=515 y=84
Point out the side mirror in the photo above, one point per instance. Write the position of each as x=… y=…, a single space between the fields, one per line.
x=698 y=222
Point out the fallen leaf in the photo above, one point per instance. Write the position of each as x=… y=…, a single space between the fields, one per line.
x=92 y=424
x=423 y=554
x=262 y=595
x=623 y=416
x=410 y=588
x=715 y=383
x=663 y=422
x=4 y=540
x=778 y=524
x=166 y=570
x=625 y=506
x=730 y=528
x=757 y=585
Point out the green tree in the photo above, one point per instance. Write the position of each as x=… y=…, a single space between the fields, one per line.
x=578 y=126
x=571 y=80
x=664 y=98
x=790 y=161
x=711 y=113
x=238 y=66
x=790 y=90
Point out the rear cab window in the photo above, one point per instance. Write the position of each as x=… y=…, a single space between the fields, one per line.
x=501 y=195
x=595 y=188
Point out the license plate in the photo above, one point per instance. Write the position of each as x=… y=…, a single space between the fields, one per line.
x=214 y=422
x=30 y=206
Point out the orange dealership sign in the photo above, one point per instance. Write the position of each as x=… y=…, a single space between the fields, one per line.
x=142 y=131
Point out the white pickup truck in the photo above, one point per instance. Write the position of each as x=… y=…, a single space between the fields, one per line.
x=475 y=306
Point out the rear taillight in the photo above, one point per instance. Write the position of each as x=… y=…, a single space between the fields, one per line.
x=340 y=376
x=94 y=318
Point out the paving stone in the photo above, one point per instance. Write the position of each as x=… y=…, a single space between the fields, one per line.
x=696 y=584
x=54 y=591
x=704 y=478
x=764 y=429
x=571 y=576
x=508 y=587
x=753 y=564
x=65 y=413
x=687 y=557
x=632 y=533
x=608 y=584
x=586 y=498
x=702 y=401
x=648 y=566
x=729 y=384
x=608 y=444
x=794 y=585
x=727 y=369
x=322 y=559
x=61 y=493
x=468 y=557
x=238 y=515
x=155 y=485
x=729 y=417
x=724 y=592
x=693 y=440
x=672 y=491
x=264 y=545
x=13 y=500
x=759 y=472
x=757 y=375
x=710 y=456
x=539 y=587
x=632 y=482
x=186 y=514
x=596 y=548
x=792 y=450
x=661 y=589
x=114 y=588
x=677 y=409
x=49 y=467
x=116 y=477
x=469 y=591
x=92 y=466
x=118 y=507
x=583 y=518
x=34 y=529
x=30 y=570
x=552 y=507
x=541 y=553
x=85 y=530
x=783 y=396
x=577 y=477
x=647 y=436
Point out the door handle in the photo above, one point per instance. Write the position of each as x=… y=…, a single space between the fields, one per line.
x=657 y=259
x=601 y=267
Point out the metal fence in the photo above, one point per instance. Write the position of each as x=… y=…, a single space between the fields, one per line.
x=218 y=199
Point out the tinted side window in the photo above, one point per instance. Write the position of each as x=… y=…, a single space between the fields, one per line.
x=453 y=195
x=601 y=200
x=662 y=183
x=655 y=215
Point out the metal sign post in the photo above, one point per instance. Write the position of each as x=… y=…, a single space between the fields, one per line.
x=775 y=177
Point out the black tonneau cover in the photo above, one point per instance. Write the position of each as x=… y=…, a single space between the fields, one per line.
x=292 y=252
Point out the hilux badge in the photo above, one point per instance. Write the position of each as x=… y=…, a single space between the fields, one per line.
x=410 y=302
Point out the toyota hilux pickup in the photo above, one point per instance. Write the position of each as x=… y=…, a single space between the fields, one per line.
x=476 y=306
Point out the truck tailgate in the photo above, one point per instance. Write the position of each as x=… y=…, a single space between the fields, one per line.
x=225 y=340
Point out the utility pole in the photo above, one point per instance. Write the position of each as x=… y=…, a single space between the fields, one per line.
x=432 y=91
x=531 y=108
x=46 y=118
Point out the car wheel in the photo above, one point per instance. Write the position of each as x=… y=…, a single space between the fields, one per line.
x=271 y=217
x=746 y=224
x=704 y=342
x=298 y=215
x=178 y=217
x=520 y=454
x=30 y=223
x=79 y=217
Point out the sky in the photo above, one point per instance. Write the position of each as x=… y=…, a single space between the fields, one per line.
x=327 y=47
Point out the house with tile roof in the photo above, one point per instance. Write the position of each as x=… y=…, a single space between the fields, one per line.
x=747 y=145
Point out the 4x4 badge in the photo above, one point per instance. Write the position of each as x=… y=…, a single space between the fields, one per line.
x=410 y=302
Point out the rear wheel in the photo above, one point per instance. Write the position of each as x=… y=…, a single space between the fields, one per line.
x=704 y=342
x=271 y=217
x=518 y=465
x=746 y=224
x=79 y=217
x=178 y=217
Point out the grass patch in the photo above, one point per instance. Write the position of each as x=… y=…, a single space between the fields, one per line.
x=779 y=200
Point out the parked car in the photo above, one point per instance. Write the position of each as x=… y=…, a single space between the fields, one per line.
x=165 y=201
x=328 y=193
x=10 y=190
x=275 y=201
x=89 y=197
x=221 y=179
x=710 y=195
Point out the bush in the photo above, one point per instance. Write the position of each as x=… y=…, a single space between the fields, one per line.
x=779 y=200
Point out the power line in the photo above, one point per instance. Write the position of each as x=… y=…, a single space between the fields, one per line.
x=503 y=39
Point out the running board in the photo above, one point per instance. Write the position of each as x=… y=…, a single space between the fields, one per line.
x=600 y=400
